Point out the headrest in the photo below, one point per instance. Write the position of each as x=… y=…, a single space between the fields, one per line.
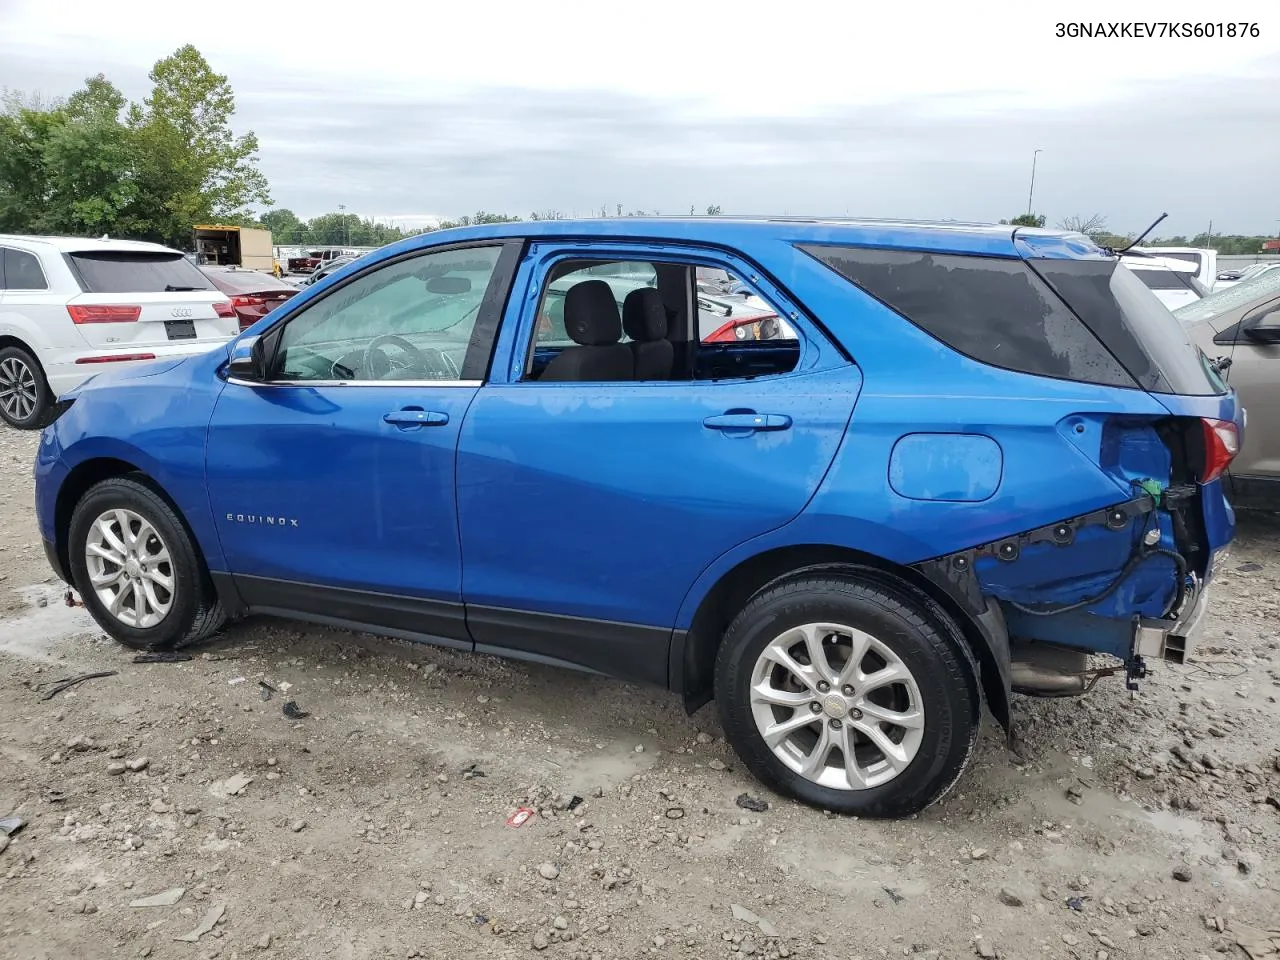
x=591 y=314
x=643 y=315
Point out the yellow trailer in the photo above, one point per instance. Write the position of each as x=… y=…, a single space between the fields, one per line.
x=247 y=247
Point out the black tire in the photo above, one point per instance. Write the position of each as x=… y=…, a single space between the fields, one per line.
x=15 y=358
x=195 y=611
x=914 y=629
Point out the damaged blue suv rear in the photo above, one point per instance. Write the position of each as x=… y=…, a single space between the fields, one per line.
x=932 y=465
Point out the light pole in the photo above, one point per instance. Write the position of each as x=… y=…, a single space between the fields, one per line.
x=1032 y=192
x=346 y=236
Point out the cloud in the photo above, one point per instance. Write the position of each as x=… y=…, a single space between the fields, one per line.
x=1128 y=143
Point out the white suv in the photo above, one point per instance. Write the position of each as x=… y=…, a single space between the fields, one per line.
x=70 y=308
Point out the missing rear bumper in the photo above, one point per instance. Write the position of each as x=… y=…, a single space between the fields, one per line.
x=1174 y=640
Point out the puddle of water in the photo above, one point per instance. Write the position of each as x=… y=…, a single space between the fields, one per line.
x=34 y=634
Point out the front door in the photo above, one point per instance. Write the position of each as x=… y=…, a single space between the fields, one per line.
x=332 y=486
x=588 y=507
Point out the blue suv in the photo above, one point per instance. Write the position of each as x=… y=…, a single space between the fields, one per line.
x=962 y=459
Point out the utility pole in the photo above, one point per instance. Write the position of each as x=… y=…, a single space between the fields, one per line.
x=1032 y=192
x=346 y=234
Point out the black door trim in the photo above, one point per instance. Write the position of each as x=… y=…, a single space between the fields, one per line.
x=627 y=651
x=441 y=622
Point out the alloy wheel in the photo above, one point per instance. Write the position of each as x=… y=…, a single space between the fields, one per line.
x=18 y=391
x=837 y=706
x=130 y=568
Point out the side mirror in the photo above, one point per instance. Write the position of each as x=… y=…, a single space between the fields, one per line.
x=248 y=360
x=1266 y=329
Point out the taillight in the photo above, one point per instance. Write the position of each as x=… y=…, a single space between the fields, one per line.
x=1221 y=444
x=751 y=328
x=247 y=301
x=223 y=308
x=103 y=313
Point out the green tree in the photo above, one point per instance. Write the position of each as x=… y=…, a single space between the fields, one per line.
x=284 y=225
x=89 y=162
x=1026 y=220
x=191 y=167
x=713 y=210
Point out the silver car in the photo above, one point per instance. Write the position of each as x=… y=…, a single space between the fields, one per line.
x=1241 y=325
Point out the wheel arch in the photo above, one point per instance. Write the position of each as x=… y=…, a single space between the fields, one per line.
x=9 y=340
x=90 y=472
x=692 y=662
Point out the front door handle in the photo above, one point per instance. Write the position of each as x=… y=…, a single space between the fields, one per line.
x=408 y=418
x=747 y=422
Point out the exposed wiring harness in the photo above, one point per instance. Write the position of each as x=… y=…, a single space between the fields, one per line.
x=1134 y=561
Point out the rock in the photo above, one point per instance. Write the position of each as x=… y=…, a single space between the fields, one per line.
x=211 y=917
x=138 y=764
x=159 y=806
x=704 y=738
x=985 y=950
x=1145 y=773
x=560 y=923
x=298 y=826
x=1182 y=874
x=979 y=853
x=419 y=899
x=264 y=942
x=1070 y=940
x=80 y=744
x=166 y=898
x=639 y=748
x=540 y=941
x=549 y=871
x=1011 y=898
x=115 y=768
x=716 y=764
x=232 y=786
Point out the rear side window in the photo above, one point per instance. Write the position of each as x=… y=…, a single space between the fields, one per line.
x=1137 y=327
x=128 y=272
x=22 y=271
x=991 y=309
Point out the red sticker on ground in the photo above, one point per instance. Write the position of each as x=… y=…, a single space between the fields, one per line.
x=520 y=817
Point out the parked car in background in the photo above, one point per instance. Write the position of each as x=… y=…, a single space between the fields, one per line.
x=326 y=268
x=1242 y=324
x=1204 y=259
x=986 y=451
x=71 y=308
x=1174 y=282
x=313 y=260
x=1229 y=278
x=253 y=294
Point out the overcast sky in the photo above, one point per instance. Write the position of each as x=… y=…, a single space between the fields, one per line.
x=905 y=110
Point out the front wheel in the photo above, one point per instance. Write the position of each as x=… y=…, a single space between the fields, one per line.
x=137 y=569
x=848 y=695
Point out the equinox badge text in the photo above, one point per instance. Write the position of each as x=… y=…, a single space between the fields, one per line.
x=258 y=518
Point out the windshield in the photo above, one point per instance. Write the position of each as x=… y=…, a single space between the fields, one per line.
x=1220 y=302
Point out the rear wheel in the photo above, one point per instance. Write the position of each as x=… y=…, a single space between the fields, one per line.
x=848 y=695
x=25 y=396
x=137 y=569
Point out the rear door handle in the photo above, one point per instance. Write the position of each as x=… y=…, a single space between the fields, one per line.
x=747 y=422
x=406 y=419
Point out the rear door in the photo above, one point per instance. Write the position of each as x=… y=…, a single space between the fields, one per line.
x=588 y=509
x=146 y=299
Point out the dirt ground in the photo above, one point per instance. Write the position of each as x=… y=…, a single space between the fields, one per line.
x=1144 y=825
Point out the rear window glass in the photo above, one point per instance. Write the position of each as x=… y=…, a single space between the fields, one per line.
x=991 y=309
x=248 y=281
x=1163 y=279
x=128 y=272
x=1134 y=324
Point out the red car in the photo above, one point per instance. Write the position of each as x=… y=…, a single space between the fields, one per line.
x=253 y=294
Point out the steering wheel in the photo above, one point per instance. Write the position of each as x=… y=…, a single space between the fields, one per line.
x=429 y=360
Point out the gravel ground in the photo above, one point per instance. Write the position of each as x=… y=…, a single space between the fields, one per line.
x=1144 y=825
